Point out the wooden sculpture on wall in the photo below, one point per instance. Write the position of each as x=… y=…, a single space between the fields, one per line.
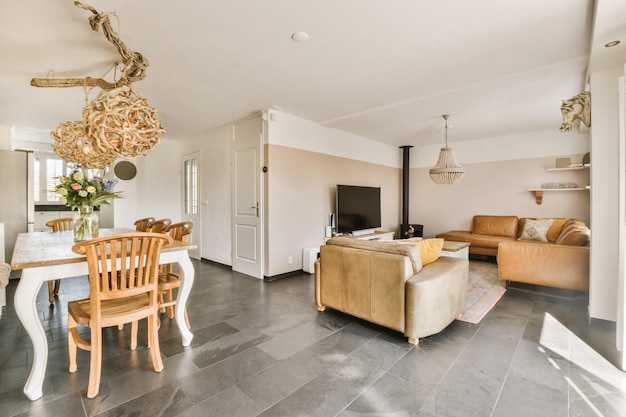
x=577 y=107
x=118 y=123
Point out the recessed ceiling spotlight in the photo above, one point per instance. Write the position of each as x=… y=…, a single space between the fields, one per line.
x=611 y=44
x=300 y=37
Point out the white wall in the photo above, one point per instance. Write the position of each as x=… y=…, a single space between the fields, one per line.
x=604 y=186
x=156 y=190
x=287 y=130
x=215 y=191
x=535 y=144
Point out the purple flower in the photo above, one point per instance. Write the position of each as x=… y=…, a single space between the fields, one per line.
x=108 y=186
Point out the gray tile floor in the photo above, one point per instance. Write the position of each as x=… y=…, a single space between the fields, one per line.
x=262 y=349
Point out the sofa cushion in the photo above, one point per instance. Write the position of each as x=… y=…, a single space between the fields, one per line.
x=536 y=229
x=430 y=249
x=410 y=251
x=575 y=234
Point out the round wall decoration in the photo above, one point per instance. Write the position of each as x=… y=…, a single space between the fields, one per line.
x=125 y=170
x=587 y=158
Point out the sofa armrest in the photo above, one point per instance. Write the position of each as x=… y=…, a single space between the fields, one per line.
x=435 y=296
x=539 y=263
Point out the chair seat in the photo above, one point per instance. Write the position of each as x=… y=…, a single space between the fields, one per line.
x=168 y=281
x=114 y=312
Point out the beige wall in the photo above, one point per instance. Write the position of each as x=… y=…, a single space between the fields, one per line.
x=497 y=188
x=5 y=137
x=301 y=195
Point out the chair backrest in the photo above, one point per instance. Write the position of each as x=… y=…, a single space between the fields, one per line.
x=180 y=231
x=121 y=266
x=59 y=225
x=142 y=225
x=159 y=226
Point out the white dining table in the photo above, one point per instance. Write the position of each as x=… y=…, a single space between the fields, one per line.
x=45 y=256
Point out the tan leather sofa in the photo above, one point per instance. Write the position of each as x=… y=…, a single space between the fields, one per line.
x=548 y=264
x=385 y=283
x=486 y=234
x=561 y=262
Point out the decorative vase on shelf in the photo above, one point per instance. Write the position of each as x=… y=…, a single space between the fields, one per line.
x=86 y=223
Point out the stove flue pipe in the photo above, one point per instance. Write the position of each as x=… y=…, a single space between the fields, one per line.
x=405 y=183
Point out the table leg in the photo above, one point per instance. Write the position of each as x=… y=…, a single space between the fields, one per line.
x=26 y=310
x=183 y=293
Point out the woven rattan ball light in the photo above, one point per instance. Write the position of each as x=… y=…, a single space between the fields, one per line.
x=121 y=122
x=72 y=144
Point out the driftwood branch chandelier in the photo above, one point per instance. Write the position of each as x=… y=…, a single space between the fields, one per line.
x=119 y=122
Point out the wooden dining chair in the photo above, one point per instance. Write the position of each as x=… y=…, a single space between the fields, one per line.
x=142 y=225
x=168 y=279
x=159 y=226
x=123 y=287
x=58 y=225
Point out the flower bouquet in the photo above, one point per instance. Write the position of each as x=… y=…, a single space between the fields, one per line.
x=78 y=191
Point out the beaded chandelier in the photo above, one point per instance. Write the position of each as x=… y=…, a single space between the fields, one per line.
x=447 y=170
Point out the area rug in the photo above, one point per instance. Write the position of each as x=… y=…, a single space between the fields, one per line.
x=484 y=289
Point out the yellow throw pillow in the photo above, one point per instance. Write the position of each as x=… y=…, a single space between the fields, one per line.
x=429 y=248
x=555 y=229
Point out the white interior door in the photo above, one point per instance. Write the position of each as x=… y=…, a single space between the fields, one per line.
x=247 y=231
x=191 y=199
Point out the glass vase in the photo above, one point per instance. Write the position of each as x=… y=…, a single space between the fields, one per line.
x=86 y=224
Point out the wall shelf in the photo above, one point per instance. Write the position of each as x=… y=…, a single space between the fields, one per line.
x=587 y=166
x=539 y=192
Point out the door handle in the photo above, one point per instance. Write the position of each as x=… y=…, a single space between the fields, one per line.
x=256 y=209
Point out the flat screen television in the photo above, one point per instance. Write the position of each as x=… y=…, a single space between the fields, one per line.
x=358 y=209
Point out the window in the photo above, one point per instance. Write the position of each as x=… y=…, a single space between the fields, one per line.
x=191 y=186
x=47 y=169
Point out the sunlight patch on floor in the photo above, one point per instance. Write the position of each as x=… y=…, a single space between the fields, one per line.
x=599 y=376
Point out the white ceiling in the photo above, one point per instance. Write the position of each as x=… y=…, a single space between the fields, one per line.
x=385 y=70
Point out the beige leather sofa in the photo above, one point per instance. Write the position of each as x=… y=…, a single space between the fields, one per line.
x=561 y=262
x=385 y=283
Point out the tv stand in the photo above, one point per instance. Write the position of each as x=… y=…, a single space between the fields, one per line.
x=363 y=232
x=375 y=236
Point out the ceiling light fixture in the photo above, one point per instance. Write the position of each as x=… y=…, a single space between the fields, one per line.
x=612 y=44
x=119 y=122
x=300 y=37
x=447 y=170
